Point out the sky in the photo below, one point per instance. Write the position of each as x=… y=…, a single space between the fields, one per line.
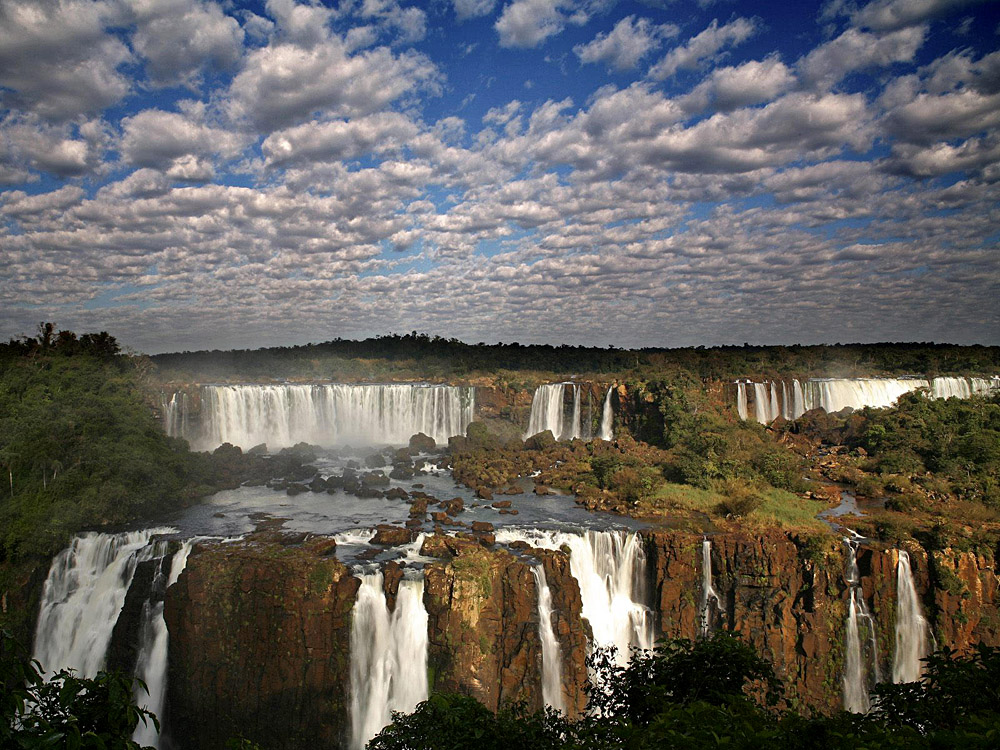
x=189 y=174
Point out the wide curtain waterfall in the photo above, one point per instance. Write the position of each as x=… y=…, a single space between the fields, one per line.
x=388 y=655
x=610 y=567
x=912 y=629
x=791 y=399
x=335 y=414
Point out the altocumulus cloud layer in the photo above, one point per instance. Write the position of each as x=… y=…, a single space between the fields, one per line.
x=189 y=174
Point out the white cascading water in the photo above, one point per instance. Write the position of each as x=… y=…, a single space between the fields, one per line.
x=607 y=418
x=610 y=567
x=151 y=665
x=548 y=412
x=912 y=628
x=83 y=597
x=175 y=414
x=709 y=596
x=388 y=655
x=282 y=415
x=857 y=645
x=552 y=692
x=834 y=394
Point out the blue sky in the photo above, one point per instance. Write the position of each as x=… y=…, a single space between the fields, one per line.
x=190 y=174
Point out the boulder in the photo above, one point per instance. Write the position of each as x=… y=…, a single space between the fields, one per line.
x=392 y=535
x=421 y=443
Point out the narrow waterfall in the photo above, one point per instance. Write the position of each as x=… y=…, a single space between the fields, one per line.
x=83 y=596
x=610 y=567
x=607 y=418
x=858 y=647
x=151 y=665
x=282 y=415
x=388 y=655
x=175 y=414
x=741 y=399
x=552 y=692
x=834 y=394
x=709 y=596
x=912 y=628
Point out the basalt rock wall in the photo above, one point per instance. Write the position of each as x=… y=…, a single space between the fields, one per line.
x=787 y=595
x=260 y=645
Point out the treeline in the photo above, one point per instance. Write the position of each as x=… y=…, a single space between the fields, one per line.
x=419 y=355
x=717 y=692
x=79 y=446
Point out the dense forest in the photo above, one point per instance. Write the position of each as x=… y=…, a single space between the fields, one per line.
x=419 y=356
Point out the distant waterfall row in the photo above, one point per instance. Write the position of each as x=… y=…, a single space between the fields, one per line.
x=790 y=399
x=549 y=412
x=335 y=414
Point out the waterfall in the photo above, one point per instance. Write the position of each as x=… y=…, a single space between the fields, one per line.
x=552 y=692
x=83 y=596
x=607 y=418
x=388 y=655
x=610 y=567
x=741 y=399
x=834 y=394
x=856 y=649
x=709 y=596
x=282 y=415
x=151 y=665
x=175 y=414
x=547 y=412
x=912 y=628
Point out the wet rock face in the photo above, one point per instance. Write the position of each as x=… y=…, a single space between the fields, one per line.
x=260 y=645
x=788 y=597
x=483 y=626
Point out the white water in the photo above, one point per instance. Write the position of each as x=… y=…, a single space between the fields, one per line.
x=912 y=628
x=607 y=418
x=857 y=647
x=610 y=567
x=388 y=655
x=282 y=415
x=548 y=412
x=834 y=394
x=151 y=665
x=83 y=597
x=552 y=692
x=709 y=596
x=175 y=414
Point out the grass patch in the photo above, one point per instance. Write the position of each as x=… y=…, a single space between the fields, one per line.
x=779 y=507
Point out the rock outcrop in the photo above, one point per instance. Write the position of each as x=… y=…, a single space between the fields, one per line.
x=260 y=645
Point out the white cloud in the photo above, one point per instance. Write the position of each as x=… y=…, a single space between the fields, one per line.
x=178 y=38
x=626 y=44
x=890 y=15
x=285 y=83
x=703 y=47
x=338 y=140
x=56 y=59
x=729 y=88
x=854 y=50
x=528 y=23
x=31 y=143
x=466 y=9
x=154 y=138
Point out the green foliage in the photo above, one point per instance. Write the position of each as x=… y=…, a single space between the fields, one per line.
x=79 y=446
x=958 y=440
x=717 y=692
x=64 y=711
x=740 y=498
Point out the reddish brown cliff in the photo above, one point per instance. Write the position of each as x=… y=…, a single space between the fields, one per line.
x=259 y=645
